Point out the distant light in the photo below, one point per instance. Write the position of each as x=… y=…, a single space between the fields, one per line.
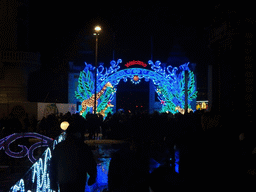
x=97 y=28
x=64 y=125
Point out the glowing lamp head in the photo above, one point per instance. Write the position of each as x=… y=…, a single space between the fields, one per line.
x=64 y=125
x=97 y=28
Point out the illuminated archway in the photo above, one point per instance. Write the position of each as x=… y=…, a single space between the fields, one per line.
x=169 y=84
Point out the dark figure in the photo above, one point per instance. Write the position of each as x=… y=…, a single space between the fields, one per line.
x=93 y=125
x=164 y=178
x=26 y=124
x=42 y=126
x=15 y=125
x=71 y=160
x=129 y=170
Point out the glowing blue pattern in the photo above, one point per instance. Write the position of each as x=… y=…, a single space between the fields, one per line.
x=41 y=172
x=177 y=161
x=37 y=178
x=169 y=82
x=8 y=140
x=19 y=186
x=40 y=180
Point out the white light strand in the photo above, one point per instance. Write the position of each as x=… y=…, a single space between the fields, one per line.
x=40 y=172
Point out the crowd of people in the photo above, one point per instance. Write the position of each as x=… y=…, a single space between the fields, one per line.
x=212 y=151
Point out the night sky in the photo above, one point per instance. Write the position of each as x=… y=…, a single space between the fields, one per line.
x=62 y=31
x=58 y=28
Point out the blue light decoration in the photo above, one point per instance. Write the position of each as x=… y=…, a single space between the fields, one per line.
x=177 y=161
x=8 y=140
x=38 y=176
x=169 y=83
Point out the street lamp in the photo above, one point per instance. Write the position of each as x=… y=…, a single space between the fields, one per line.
x=97 y=29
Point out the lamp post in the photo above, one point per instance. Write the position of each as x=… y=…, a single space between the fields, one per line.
x=97 y=29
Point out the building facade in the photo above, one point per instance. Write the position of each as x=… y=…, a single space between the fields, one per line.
x=16 y=62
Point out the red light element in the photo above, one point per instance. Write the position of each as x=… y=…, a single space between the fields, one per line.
x=141 y=106
x=162 y=102
x=136 y=106
x=135 y=78
x=130 y=63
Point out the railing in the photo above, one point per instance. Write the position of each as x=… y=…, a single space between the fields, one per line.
x=20 y=56
x=37 y=177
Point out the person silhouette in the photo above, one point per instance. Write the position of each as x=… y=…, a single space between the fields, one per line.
x=128 y=169
x=71 y=160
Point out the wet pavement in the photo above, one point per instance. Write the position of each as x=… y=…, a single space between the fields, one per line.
x=102 y=150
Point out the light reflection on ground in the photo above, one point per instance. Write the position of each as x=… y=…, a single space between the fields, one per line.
x=102 y=176
x=102 y=153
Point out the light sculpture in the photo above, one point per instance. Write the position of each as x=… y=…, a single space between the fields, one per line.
x=38 y=176
x=19 y=186
x=169 y=83
x=86 y=88
x=90 y=101
x=8 y=140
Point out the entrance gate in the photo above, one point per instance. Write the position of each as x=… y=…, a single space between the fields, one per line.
x=168 y=82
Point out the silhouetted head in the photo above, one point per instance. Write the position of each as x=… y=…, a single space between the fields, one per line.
x=76 y=126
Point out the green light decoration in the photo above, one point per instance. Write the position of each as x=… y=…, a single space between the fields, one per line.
x=169 y=83
x=166 y=98
x=105 y=101
x=86 y=88
x=192 y=93
x=177 y=94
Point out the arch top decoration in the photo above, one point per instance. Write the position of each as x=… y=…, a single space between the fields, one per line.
x=169 y=84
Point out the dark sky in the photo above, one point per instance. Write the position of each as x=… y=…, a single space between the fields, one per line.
x=61 y=30
x=58 y=28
